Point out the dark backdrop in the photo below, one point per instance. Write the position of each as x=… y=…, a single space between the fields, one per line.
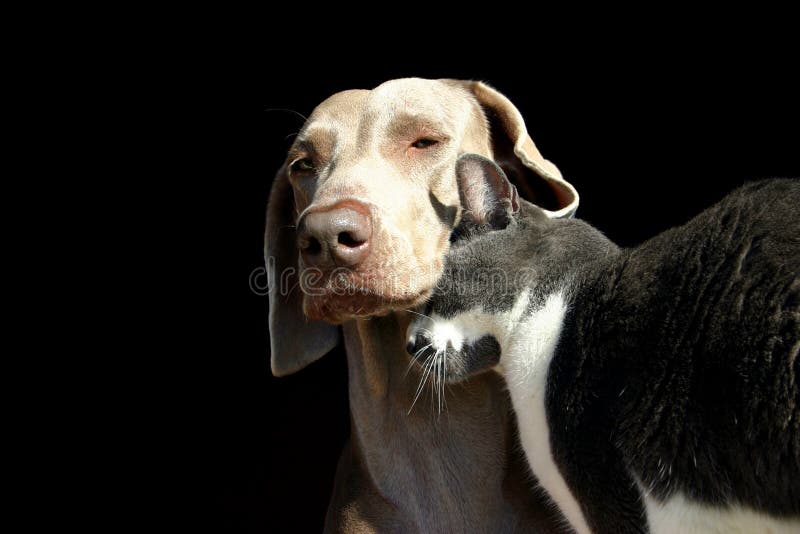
x=648 y=139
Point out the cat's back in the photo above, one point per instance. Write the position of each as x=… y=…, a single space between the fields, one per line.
x=764 y=216
x=716 y=343
x=729 y=273
x=675 y=383
x=757 y=223
x=726 y=281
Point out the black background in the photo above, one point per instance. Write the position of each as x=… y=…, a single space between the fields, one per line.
x=648 y=137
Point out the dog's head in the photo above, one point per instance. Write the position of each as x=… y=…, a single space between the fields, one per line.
x=360 y=214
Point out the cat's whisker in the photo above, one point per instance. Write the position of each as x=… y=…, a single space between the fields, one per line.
x=443 y=369
x=442 y=381
x=439 y=381
x=415 y=358
x=444 y=377
x=418 y=313
x=419 y=387
x=434 y=371
x=433 y=378
x=423 y=380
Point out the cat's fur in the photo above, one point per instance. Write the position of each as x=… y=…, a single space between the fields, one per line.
x=656 y=388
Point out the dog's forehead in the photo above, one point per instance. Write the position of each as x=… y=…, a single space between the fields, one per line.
x=342 y=108
x=433 y=99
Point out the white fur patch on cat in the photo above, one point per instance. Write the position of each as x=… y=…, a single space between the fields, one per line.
x=524 y=364
x=471 y=325
x=677 y=514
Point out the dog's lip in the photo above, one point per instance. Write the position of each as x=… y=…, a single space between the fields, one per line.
x=336 y=308
x=341 y=285
x=379 y=300
x=362 y=291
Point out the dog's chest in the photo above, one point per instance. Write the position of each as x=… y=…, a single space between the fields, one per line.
x=524 y=363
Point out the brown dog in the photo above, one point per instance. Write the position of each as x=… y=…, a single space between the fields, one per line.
x=358 y=222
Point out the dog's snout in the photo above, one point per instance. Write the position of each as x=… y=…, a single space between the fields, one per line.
x=337 y=236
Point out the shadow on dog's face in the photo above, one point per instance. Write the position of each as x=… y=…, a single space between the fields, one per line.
x=458 y=332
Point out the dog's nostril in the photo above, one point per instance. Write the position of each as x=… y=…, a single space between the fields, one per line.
x=347 y=239
x=312 y=246
x=338 y=236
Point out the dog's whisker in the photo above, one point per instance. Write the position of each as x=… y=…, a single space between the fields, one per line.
x=291 y=289
x=288 y=111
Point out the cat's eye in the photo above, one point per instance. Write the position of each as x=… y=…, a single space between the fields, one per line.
x=303 y=165
x=424 y=142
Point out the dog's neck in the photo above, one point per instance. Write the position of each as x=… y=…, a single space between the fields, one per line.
x=455 y=469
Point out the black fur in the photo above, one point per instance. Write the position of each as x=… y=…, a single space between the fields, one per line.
x=678 y=360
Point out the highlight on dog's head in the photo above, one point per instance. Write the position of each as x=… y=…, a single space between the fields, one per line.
x=361 y=214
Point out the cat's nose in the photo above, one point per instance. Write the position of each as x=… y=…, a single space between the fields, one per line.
x=416 y=343
x=412 y=343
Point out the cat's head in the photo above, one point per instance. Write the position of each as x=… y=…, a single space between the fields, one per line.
x=487 y=277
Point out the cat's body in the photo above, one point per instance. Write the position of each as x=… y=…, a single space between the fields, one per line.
x=656 y=388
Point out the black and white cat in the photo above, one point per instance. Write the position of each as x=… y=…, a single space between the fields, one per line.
x=656 y=388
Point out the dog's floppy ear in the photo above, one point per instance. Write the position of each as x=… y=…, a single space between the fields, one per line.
x=488 y=198
x=295 y=340
x=537 y=179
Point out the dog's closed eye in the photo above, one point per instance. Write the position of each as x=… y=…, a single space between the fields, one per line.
x=424 y=142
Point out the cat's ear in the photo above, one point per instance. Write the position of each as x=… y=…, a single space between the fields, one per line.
x=487 y=197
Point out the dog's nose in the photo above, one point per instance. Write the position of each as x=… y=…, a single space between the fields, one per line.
x=336 y=236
